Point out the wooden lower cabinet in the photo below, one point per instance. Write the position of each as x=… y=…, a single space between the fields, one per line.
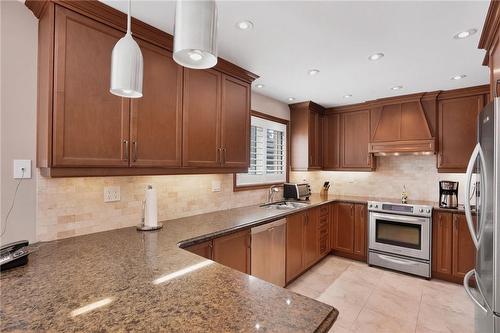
x=453 y=252
x=311 y=244
x=294 y=245
x=349 y=231
x=202 y=249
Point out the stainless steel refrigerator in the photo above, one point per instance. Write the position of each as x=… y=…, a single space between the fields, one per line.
x=484 y=164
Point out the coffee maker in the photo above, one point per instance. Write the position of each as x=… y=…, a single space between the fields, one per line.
x=448 y=194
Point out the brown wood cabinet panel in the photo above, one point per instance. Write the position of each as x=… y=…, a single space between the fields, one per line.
x=156 y=118
x=294 y=245
x=311 y=239
x=201 y=118
x=233 y=251
x=202 y=249
x=355 y=136
x=457 y=131
x=235 y=139
x=464 y=252
x=343 y=228
x=315 y=140
x=91 y=126
x=331 y=141
x=360 y=232
x=442 y=235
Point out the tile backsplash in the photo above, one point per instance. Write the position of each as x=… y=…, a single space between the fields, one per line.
x=417 y=173
x=75 y=206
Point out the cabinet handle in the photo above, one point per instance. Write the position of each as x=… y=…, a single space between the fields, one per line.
x=368 y=159
x=223 y=155
x=134 y=144
x=210 y=250
x=125 y=153
x=217 y=156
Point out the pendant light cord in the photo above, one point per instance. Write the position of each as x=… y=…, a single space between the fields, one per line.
x=4 y=228
x=128 y=18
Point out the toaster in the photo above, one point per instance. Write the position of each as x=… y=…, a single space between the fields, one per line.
x=296 y=191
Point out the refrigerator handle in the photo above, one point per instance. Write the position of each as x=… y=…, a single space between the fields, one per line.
x=468 y=178
x=469 y=292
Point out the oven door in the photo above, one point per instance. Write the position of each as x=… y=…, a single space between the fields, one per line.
x=400 y=234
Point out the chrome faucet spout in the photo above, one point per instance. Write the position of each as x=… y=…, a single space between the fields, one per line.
x=272 y=190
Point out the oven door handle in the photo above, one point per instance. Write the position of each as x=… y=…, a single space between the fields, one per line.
x=397 y=261
x=399 y=218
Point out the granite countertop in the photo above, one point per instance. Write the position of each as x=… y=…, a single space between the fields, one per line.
x=108 y=281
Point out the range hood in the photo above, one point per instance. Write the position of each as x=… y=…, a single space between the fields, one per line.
x=401 y=126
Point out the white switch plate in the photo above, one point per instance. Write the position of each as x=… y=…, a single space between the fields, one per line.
x=19 y=165
x=216 y=186
x=111 y=193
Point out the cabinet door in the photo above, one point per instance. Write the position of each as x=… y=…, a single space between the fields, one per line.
x=235 y=134
x=202 y=249
x=355 y=138
x=311 y=239
x=233 y=251
x=331 y=141
x=457 y=131
x=343 y=228
x=315 y=140
x=464 y=252
x=91 y=125
x=442 y=243
x=360 y=221
x=201 y=118
x=294 y=245
x=156 y=120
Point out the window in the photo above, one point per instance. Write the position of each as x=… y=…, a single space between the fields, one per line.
x=268 y=153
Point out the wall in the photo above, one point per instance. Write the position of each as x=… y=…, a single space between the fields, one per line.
x=17 y=117
x=269 y=105
x=417 y=173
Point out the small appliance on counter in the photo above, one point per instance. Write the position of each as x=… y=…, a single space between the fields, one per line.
x=296 y=191
x=14 y=255
x=149 y=211
x=448 y=194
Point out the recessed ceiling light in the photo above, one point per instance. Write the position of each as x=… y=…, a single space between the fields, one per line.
x=458 y=77
x=376 y=56
x=260 y=85
x=397 y=88
x=291 y=99
x=313 y=71
x=348 y=96
x=244 y=25
x=465 y=34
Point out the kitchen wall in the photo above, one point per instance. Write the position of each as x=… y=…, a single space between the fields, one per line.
x=18 y=37
x=418 y=173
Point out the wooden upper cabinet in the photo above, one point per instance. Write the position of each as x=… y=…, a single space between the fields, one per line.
x=156 y=118
x=294 y=245
x=233 y=251
x=235 y=134
x=331 y=141
x=201 y=118
x=354 y=139
x=343 y=228
x=457 y=118
x=90 y=125
x=306 y=128
x=464 y=251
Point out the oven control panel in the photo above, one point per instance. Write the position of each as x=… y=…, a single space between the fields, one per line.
x=402 y=209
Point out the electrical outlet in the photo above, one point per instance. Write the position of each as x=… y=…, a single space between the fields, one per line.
x=111 y=193
x=216 y=186
x=22 y=169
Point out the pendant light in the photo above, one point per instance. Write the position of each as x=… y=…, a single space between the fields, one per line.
x=126 y=66
x=195 y=33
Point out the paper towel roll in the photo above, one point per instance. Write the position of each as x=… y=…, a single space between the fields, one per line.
x=151 y=208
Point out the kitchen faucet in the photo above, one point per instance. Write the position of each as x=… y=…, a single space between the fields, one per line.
x=273 y=189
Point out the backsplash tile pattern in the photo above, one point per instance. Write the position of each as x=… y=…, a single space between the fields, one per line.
x=418 y=173
x=75 y=206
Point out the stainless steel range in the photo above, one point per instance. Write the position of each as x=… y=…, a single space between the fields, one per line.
x=399 y=237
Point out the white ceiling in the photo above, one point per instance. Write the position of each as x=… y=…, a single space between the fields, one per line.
x=291 y=37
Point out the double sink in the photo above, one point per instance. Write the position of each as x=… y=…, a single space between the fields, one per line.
x=285 y=205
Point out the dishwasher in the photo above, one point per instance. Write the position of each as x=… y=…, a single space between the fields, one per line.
x=268 y=252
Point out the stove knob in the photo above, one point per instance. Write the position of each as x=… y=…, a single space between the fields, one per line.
x=376 y=206
x=428 y=211
x=370 y=206
x=421 y=210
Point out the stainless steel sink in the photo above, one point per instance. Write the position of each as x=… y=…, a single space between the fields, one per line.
x=285 y=205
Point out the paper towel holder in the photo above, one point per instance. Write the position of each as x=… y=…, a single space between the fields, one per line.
x=142 y=226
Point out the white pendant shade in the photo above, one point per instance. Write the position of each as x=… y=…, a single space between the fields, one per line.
x=195 y=34
x=126 y=66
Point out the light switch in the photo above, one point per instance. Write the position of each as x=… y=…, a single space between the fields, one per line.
x=216 y=186
x=22 y=169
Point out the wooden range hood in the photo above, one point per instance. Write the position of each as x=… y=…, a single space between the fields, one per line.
x=403 y=125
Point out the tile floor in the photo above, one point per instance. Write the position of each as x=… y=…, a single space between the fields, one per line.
x=375 y=300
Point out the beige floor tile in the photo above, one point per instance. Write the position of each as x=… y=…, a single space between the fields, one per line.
x=339 y=329
x=316 y=281
x=370 y=321
x=331 y=266
x=399 y=307
x=348 y=312
x=349 y=290
x=436 y=319
x=364 y=275
x=303 y=289
x=401 y=284
x=447 y=296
